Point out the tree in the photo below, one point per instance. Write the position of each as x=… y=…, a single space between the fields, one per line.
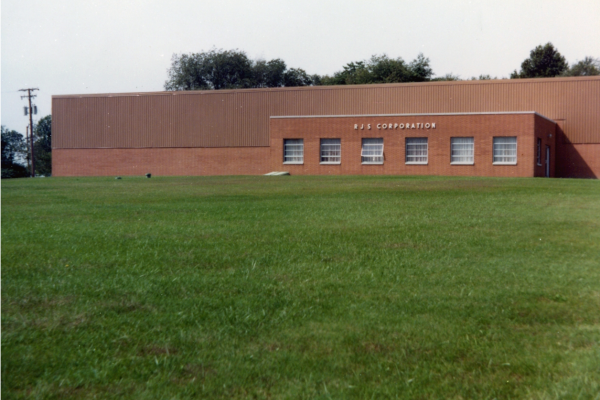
x=420 y=69
x=486 y=77
x=269 y=74
x=13 y=147
x=296 y=77
x=381 y=69
x=543 y=62
x=215 y=69
x=448 y=77
x=42 y=146
x=230 y=69
x=352 y=73
x=587 y=67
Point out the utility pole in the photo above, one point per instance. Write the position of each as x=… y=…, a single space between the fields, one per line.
x=27 y=141
x=30 y=96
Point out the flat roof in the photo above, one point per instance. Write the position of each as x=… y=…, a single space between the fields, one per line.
x=333 y=87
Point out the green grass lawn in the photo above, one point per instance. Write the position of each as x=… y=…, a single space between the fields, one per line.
x=301 y=287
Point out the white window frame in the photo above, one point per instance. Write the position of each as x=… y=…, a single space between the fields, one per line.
x=289 y=144
x=416 y=141
x=539 y=152
x=378 y=154
x=494 y=144
x=335 y=145
x=472 y=149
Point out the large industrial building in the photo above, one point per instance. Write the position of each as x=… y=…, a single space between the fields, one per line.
x=522 y=128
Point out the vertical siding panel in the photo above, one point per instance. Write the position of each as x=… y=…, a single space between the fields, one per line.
x=241 y=118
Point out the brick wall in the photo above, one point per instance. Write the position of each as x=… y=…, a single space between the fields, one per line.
x=567 y=160
x=161 y=161
x=481 y=127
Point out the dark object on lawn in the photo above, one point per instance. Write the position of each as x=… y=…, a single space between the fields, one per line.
x=118 y=177
x=148 y=175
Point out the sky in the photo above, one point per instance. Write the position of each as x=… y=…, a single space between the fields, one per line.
x=107 y=46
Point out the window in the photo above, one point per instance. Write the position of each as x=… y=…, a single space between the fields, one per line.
x=416 y=150
x=539 y=152
x=331 y=151
x=462 y=150
x=293 y=151
x=372 y=151
x=505 y=150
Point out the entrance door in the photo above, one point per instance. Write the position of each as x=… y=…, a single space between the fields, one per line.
x=547 y=161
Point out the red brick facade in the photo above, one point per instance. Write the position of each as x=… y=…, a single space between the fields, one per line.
x=161 y=161
x=482 y=127
x=438 y=129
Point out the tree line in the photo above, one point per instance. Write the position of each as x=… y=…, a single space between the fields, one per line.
x=16 y=155
x=233 y=69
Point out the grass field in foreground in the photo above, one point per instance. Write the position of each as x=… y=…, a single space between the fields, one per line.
x=300 y=287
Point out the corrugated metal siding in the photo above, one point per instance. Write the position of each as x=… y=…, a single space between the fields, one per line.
x=236 y=118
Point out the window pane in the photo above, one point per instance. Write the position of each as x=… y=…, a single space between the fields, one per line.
x=331 y=151
x=372 y=151
x=416 y=150
x=462 y=150
x=293 y=151
x=505 y=150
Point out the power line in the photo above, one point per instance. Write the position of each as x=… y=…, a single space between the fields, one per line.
x=30 y=96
